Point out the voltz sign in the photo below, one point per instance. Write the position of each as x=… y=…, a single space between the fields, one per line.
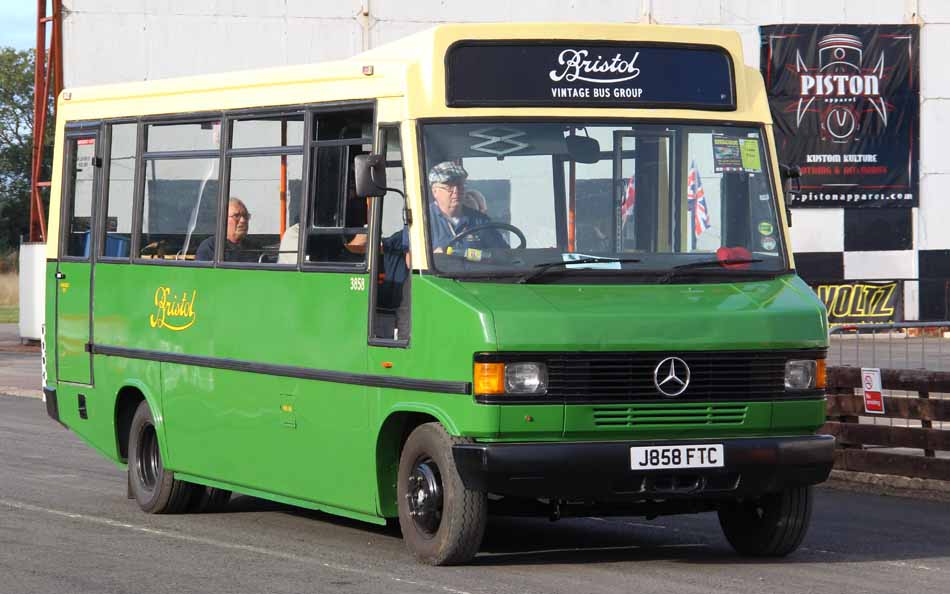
x=854 y=303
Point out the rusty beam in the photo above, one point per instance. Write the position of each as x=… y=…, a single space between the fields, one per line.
x=47 y=81
x=40 y=93
x=887 y=436
x=895 y=407
x=912 y=380
x=894 y=464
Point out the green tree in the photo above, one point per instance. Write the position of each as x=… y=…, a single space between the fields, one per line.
x=16 y=144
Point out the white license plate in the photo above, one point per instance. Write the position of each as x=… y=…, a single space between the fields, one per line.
x=676 y=456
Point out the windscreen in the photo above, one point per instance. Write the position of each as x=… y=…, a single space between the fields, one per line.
x=512 y=198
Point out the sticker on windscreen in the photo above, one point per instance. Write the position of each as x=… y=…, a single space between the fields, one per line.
x=604 y=263
x=768 y=243
x=749 y=149
x=766 y=228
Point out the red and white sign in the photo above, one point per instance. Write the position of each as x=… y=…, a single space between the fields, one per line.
x=871 y=382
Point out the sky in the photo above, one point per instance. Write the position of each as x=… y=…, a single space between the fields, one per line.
x=18 y=24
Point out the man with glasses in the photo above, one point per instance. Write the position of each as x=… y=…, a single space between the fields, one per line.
x=238 y=248
x=448 y=215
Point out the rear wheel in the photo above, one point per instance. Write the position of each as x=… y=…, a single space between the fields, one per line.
x=442 y=522
x=771 y=526
x=156 y=490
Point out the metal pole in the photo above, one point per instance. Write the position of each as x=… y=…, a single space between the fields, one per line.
x=40 y=94
x=47 y=77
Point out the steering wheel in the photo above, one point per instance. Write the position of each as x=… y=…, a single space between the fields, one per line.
x=490 y=225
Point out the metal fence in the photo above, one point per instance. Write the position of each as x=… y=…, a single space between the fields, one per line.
x=898 y=345
x=914 y=358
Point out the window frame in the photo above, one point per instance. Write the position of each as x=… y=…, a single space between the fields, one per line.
x=228 y=153
x=375 y=238
x=143 y=156
x=102 y=217
x=311 y=174
x=73 y=132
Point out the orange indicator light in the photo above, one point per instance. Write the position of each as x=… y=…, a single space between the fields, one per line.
x=489 y=378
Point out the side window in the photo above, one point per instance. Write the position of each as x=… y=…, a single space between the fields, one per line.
x=81 y=164
x=391 y=297
x=120 y=193
x=336 y=233
x=263 y=219
x=179 y=212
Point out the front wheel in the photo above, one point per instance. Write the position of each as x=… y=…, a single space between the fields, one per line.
x=771 y=526
x=156 y=490
x=442 y=522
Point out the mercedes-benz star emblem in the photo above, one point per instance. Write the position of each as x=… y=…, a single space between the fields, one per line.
x=671 y=376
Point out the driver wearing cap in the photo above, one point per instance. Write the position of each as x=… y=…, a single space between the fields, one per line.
x=450 y=218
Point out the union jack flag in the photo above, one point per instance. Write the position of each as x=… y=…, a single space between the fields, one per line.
x=697 y=201
x=629 y=200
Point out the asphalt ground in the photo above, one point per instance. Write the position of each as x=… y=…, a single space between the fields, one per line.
x=66 y=526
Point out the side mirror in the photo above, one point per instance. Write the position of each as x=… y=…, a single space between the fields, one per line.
x=792 y=185
x=370 y=174
x=789 y=171
x=583 y=149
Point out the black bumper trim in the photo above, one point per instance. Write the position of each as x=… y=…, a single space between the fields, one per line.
x=601 y=470
x=52 y=404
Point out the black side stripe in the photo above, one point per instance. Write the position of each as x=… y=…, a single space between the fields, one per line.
x=339 y=377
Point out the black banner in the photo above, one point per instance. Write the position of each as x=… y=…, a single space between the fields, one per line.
x=845 y=101
x=862 y=302
x=588 y=74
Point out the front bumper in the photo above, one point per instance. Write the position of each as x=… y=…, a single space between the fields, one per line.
x=601 y=470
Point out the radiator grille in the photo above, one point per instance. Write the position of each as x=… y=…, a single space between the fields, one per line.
x=618 y=377
x=669 y=416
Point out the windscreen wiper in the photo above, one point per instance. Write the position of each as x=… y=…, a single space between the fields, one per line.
x=704 y=264
x=541 y=269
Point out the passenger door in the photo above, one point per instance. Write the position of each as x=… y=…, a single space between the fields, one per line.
x=83 y=163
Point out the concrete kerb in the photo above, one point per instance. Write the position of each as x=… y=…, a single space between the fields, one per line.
x=20 y=392
x=886 y=484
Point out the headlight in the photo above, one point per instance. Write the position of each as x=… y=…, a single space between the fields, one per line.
x=511 y=378
x=526 y=378
x=806 y=374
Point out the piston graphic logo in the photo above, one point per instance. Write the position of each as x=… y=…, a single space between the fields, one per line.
x=834 y=89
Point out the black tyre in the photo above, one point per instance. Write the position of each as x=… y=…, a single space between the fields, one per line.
x=771 y=526
x=155 y=489
x=442 y=522
x=208 y=499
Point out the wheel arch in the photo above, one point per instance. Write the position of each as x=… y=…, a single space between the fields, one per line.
x=127 y=401
x=390 y=439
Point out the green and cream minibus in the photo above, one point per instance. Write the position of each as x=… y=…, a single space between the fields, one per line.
x=510 y=269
